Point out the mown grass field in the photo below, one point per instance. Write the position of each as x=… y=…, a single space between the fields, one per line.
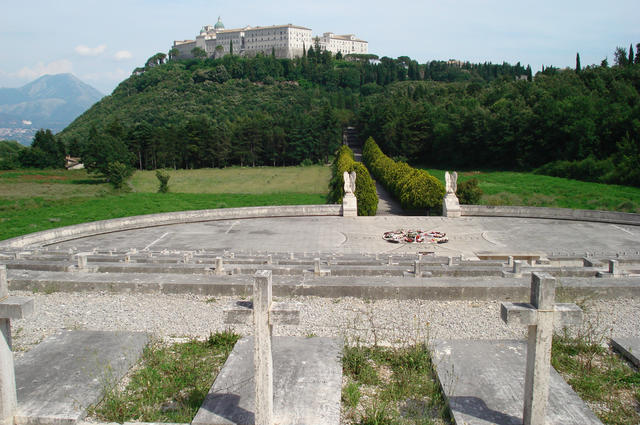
x=512 y=188
x=259 y=180
x=35 y=200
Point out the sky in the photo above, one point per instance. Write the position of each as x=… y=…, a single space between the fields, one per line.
x=102 y=42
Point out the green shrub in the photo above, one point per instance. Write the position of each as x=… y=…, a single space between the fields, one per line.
x=117 y=173
x=420 y=190
x=415 y=189
x=366 y=192
x=588 y=169
x=163 y=180
x=365 y=186
x=468 y=192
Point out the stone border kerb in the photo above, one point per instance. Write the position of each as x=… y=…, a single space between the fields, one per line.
x=61 y=234
x=613 y=217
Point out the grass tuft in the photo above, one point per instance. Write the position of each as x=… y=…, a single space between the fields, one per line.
x=600 y=377
x=392 y=386
x=171 y=383
x=351 y=394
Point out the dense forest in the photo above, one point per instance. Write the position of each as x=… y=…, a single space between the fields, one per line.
x=245 y=111
x=581 y=122
x=560 y=116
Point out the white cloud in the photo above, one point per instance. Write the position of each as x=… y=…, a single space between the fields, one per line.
x=40 y=69
x=90 y=51
x=122 y=55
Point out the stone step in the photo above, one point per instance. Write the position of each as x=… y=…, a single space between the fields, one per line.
x=307 y=383
x=628 y=347
x=333 y=267
x=484 y=384
x=66 y=373
x=368 y=287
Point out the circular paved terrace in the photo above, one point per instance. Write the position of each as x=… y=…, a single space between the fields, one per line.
x=467 y=236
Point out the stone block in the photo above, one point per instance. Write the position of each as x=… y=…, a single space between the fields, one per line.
x=241 y=312
x=517 y=313
x=451 y=206
x=16 y=308
x=349 y=206
x=66 y=373
x=629 y=347
x=483 y=382
x=307 y=382
x=566 y=314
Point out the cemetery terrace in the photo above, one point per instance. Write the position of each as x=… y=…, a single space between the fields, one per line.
x=346 y=284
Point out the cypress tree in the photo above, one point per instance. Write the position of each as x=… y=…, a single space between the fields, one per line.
x=231 y=47
x=637 y=60
x=630 y=54
x=578 y=69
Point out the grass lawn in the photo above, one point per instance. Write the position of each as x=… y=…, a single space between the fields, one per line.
x=512 y=188
x=258 y=180
x=391 y=386
x=170 y=383
x=601 y=377
x=35 y=200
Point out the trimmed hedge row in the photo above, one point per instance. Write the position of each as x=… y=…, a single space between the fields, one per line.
x=365 y=187
x=415 y=189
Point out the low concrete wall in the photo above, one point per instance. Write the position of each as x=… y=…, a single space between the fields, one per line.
x=551 y=213
x=137 y=222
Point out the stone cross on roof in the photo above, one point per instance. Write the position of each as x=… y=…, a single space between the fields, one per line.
x=539 y=315
x=265 y=314
x=10 y=308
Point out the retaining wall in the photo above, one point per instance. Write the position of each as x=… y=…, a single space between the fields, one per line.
x=550 y=213
x=137 y=222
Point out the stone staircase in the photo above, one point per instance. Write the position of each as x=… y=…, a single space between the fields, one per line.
x=323 y=274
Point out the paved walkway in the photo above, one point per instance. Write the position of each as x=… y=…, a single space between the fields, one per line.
x=467 y=236
x=387 y=205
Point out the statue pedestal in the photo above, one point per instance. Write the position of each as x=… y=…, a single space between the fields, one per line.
x=349 y=205
x=451 y=206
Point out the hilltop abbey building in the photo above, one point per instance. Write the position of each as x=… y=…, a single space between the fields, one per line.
x=286 y=41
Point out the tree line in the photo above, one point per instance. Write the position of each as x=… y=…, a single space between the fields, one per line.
x=243 y=111
x=566 y=115
x=268 y=111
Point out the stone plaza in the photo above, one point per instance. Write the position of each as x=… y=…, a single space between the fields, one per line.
x=331 y=268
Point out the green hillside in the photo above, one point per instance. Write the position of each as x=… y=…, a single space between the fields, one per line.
x=9 y=154
x=581 y=124
x=245 y=111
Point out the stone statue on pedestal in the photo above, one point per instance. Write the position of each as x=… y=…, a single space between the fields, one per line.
x=450 y=203
x=451 y=182
x=349 y=202
x=349 y=182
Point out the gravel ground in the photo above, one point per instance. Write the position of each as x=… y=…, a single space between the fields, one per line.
x=384 y=321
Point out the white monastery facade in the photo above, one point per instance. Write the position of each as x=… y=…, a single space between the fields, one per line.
x=286 y=41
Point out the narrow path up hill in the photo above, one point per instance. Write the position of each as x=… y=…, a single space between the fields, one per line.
x=387 y=205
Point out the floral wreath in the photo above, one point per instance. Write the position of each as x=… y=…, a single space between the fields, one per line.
x=415 y=236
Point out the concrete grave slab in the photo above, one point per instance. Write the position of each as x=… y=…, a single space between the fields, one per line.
x=66 y=373
x=307 y=382
x=484 y=384
x=629 y=347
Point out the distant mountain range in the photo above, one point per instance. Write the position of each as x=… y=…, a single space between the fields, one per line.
x=51 y=101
